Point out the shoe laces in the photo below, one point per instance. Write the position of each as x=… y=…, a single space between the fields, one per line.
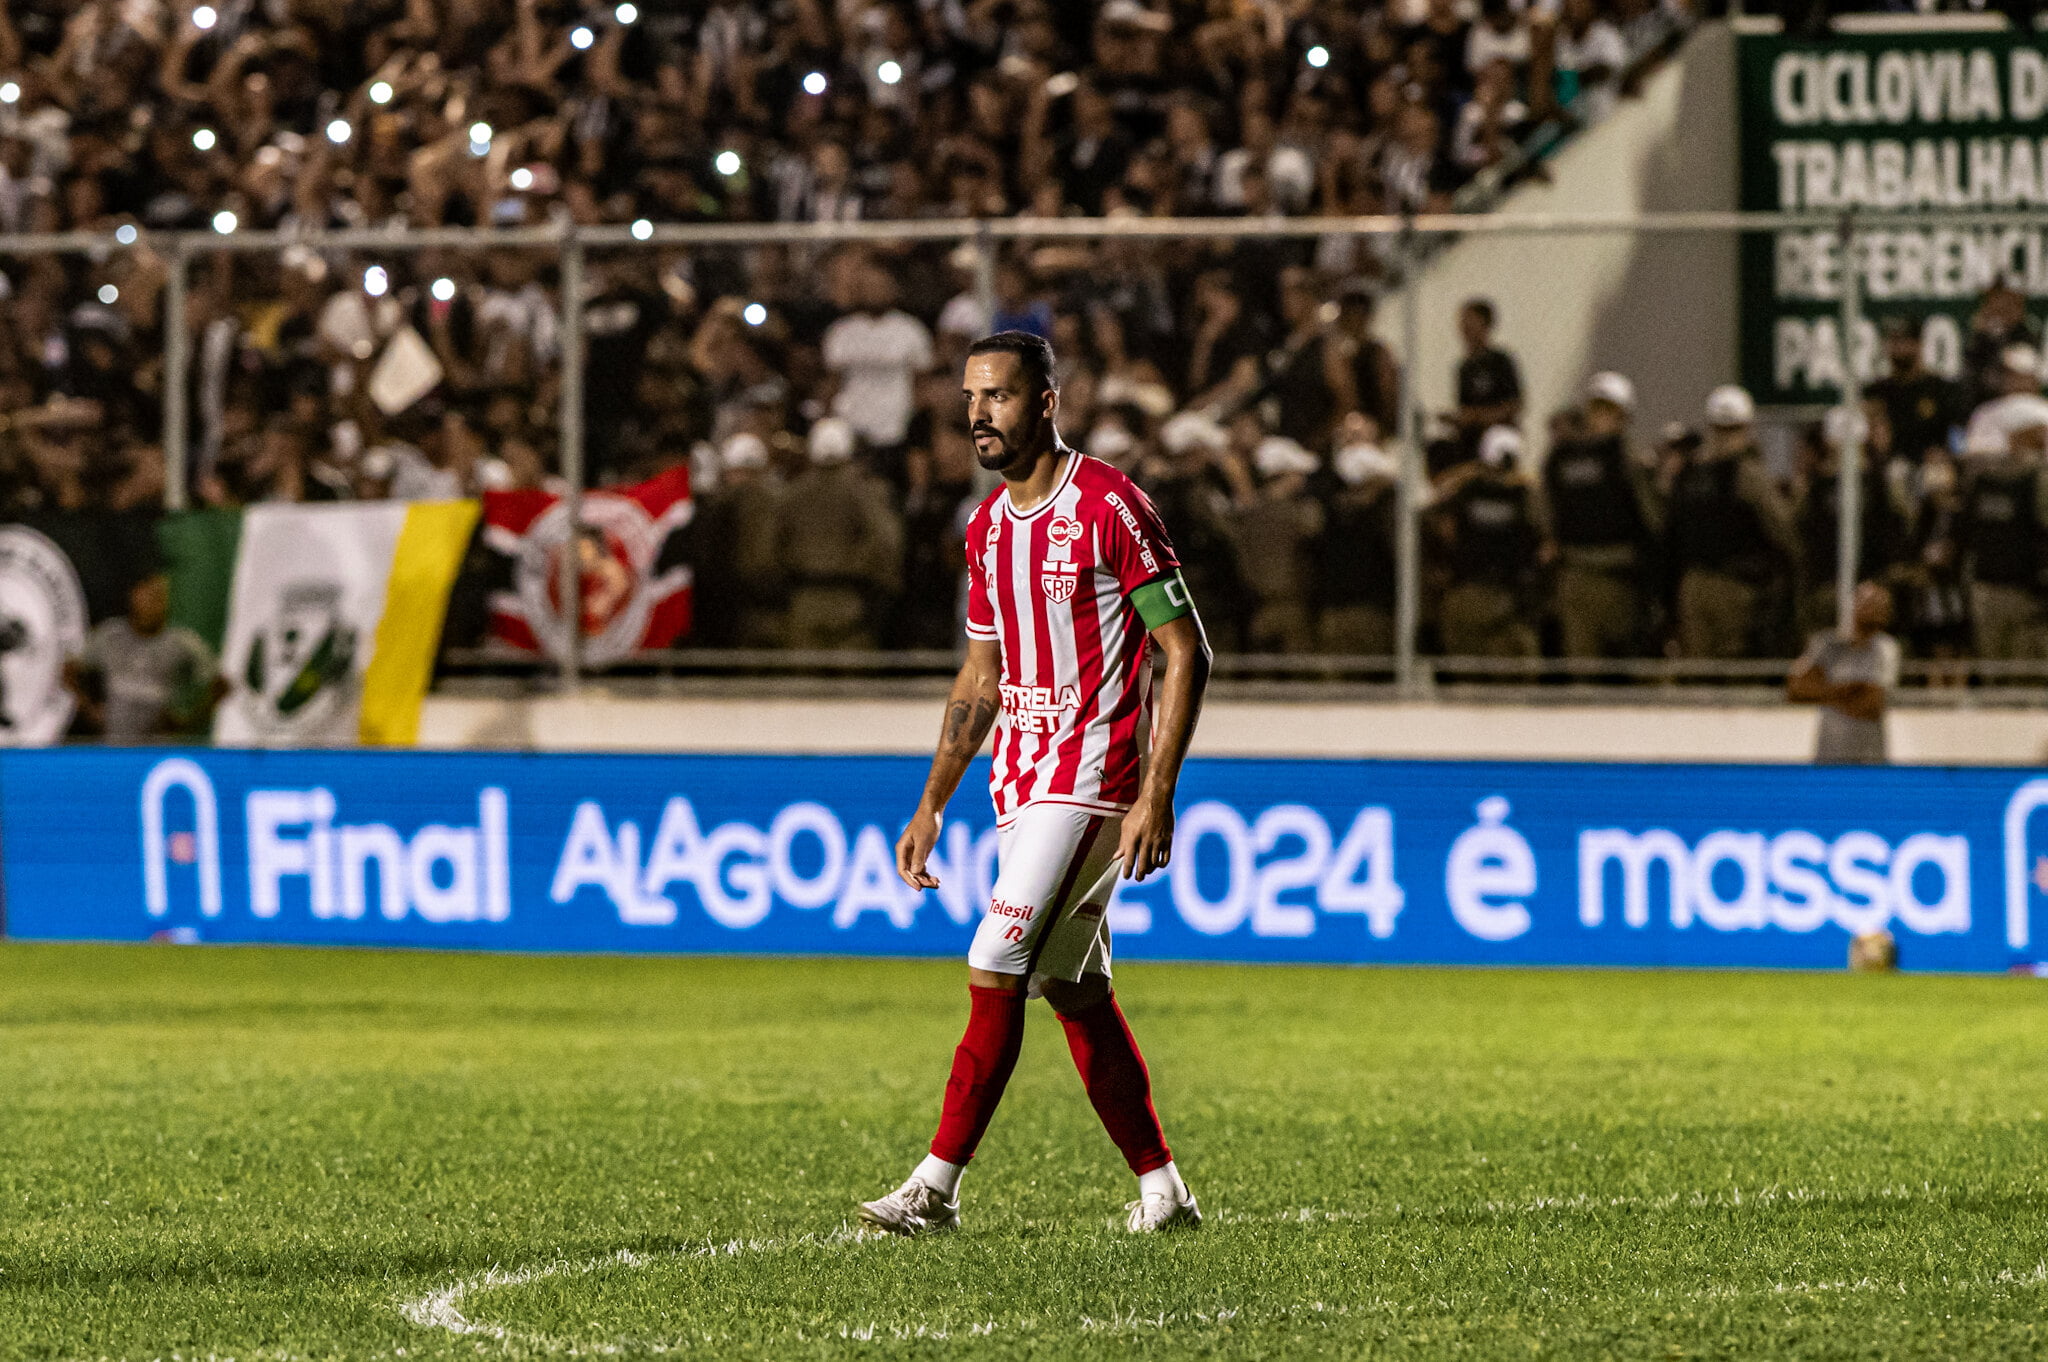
x=1138 y=1216
x=913 y=1196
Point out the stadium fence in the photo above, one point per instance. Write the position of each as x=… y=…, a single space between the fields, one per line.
x=1410 y=241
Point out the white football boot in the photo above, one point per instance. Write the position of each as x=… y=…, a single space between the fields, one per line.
x=912 y=1208
x=1157 y=1212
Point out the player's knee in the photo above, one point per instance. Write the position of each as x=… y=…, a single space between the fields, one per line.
x=985 y=978
x=1070 y=998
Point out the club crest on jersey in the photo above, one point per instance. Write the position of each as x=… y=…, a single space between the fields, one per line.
x=1058 y=575
x=1059 y=581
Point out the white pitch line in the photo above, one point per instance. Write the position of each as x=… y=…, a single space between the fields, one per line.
x=442 y=1309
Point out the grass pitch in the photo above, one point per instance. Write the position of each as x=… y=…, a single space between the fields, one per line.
x=259 y=1154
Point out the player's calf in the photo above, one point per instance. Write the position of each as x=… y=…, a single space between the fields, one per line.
x=1120 y=1089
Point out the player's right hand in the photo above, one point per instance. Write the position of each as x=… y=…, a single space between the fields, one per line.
x=914 y=846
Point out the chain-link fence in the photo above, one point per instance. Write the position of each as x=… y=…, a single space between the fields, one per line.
x=1314 y=401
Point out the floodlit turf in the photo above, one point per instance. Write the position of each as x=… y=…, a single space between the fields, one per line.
x=259 y=1154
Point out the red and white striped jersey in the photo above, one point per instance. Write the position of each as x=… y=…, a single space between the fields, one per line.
x=1052 y=585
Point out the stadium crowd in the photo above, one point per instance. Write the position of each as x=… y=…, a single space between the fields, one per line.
x=132 y=115
x=813 y=389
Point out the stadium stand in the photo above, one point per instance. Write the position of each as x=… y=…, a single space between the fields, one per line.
x=1238 y=378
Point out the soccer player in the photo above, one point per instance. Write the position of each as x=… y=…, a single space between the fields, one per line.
x=1068 y=571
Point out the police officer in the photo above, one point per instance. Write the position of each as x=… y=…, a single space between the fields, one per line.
x=740 y=591
x=2004 y=517
x=1731 y=537
x=1602 y=516
x=1486 y=517
x=841 y=545
x=1820 y=505
x=1354 y=578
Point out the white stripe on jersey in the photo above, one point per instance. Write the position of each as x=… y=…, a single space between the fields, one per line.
x=1075 y=697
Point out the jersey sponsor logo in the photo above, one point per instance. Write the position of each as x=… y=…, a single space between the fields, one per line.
x=1123 y=513
x=1022 y=911
x=1037 y=709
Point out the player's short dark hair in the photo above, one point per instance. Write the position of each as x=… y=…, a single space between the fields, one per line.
x=1483 y=309
x=1034 y=352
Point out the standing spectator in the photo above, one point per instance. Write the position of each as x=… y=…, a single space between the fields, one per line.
x=1417 y=178
x=1229 y=345
x=1999 y=323
x=1851 y=677
x=1309 y=378
x=1275 y=532
x=739 y=587
x=874 y=355
x=1019 y=304
x=1603 y=518
x=1374 y=386
x=2004 y=526
x=841 y=546
x=1820 y=504
x=1732 y=541
x=1354 y=578
x=1499 y=36
x=1589 y=55
x=1094 y=153
x=1489 y=383
x=1289 y=174
x=1442 y=40
x=141 y=677
x=1485 y=516
x=1490 y=120
x=1925 y=409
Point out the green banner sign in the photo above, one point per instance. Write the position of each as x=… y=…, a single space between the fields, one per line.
x=1935 y=123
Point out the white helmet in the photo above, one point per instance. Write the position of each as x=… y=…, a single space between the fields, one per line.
x=831 y=441
x=1729 y=406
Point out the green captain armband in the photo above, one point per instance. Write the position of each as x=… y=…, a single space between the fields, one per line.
x=1162 y=600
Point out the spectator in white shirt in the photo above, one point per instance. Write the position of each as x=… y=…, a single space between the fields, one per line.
x=1592 y=50
x=1500 y=35
x=2017 y=406
x=1489 y=119
x=1288 y=171
x=875 y=355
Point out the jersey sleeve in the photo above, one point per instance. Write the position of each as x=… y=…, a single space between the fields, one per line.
x=981 y=610
x=1134 y=543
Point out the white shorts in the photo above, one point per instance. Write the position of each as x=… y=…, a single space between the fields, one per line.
x=1056 y=867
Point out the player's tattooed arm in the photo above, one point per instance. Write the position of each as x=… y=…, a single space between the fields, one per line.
x=970 y=712
x=1147 y=840
x=968 y=724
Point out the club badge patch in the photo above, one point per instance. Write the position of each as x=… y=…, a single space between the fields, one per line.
x=1058 y=574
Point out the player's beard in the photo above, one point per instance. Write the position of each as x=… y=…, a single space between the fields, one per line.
x=1011 y=447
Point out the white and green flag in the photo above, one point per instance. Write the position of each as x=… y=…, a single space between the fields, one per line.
x=334 y=619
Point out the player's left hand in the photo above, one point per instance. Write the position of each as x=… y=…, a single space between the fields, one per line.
x=1147 y=841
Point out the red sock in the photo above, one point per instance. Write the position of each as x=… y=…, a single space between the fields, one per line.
x=981 y=1069
x=1118 y=1086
